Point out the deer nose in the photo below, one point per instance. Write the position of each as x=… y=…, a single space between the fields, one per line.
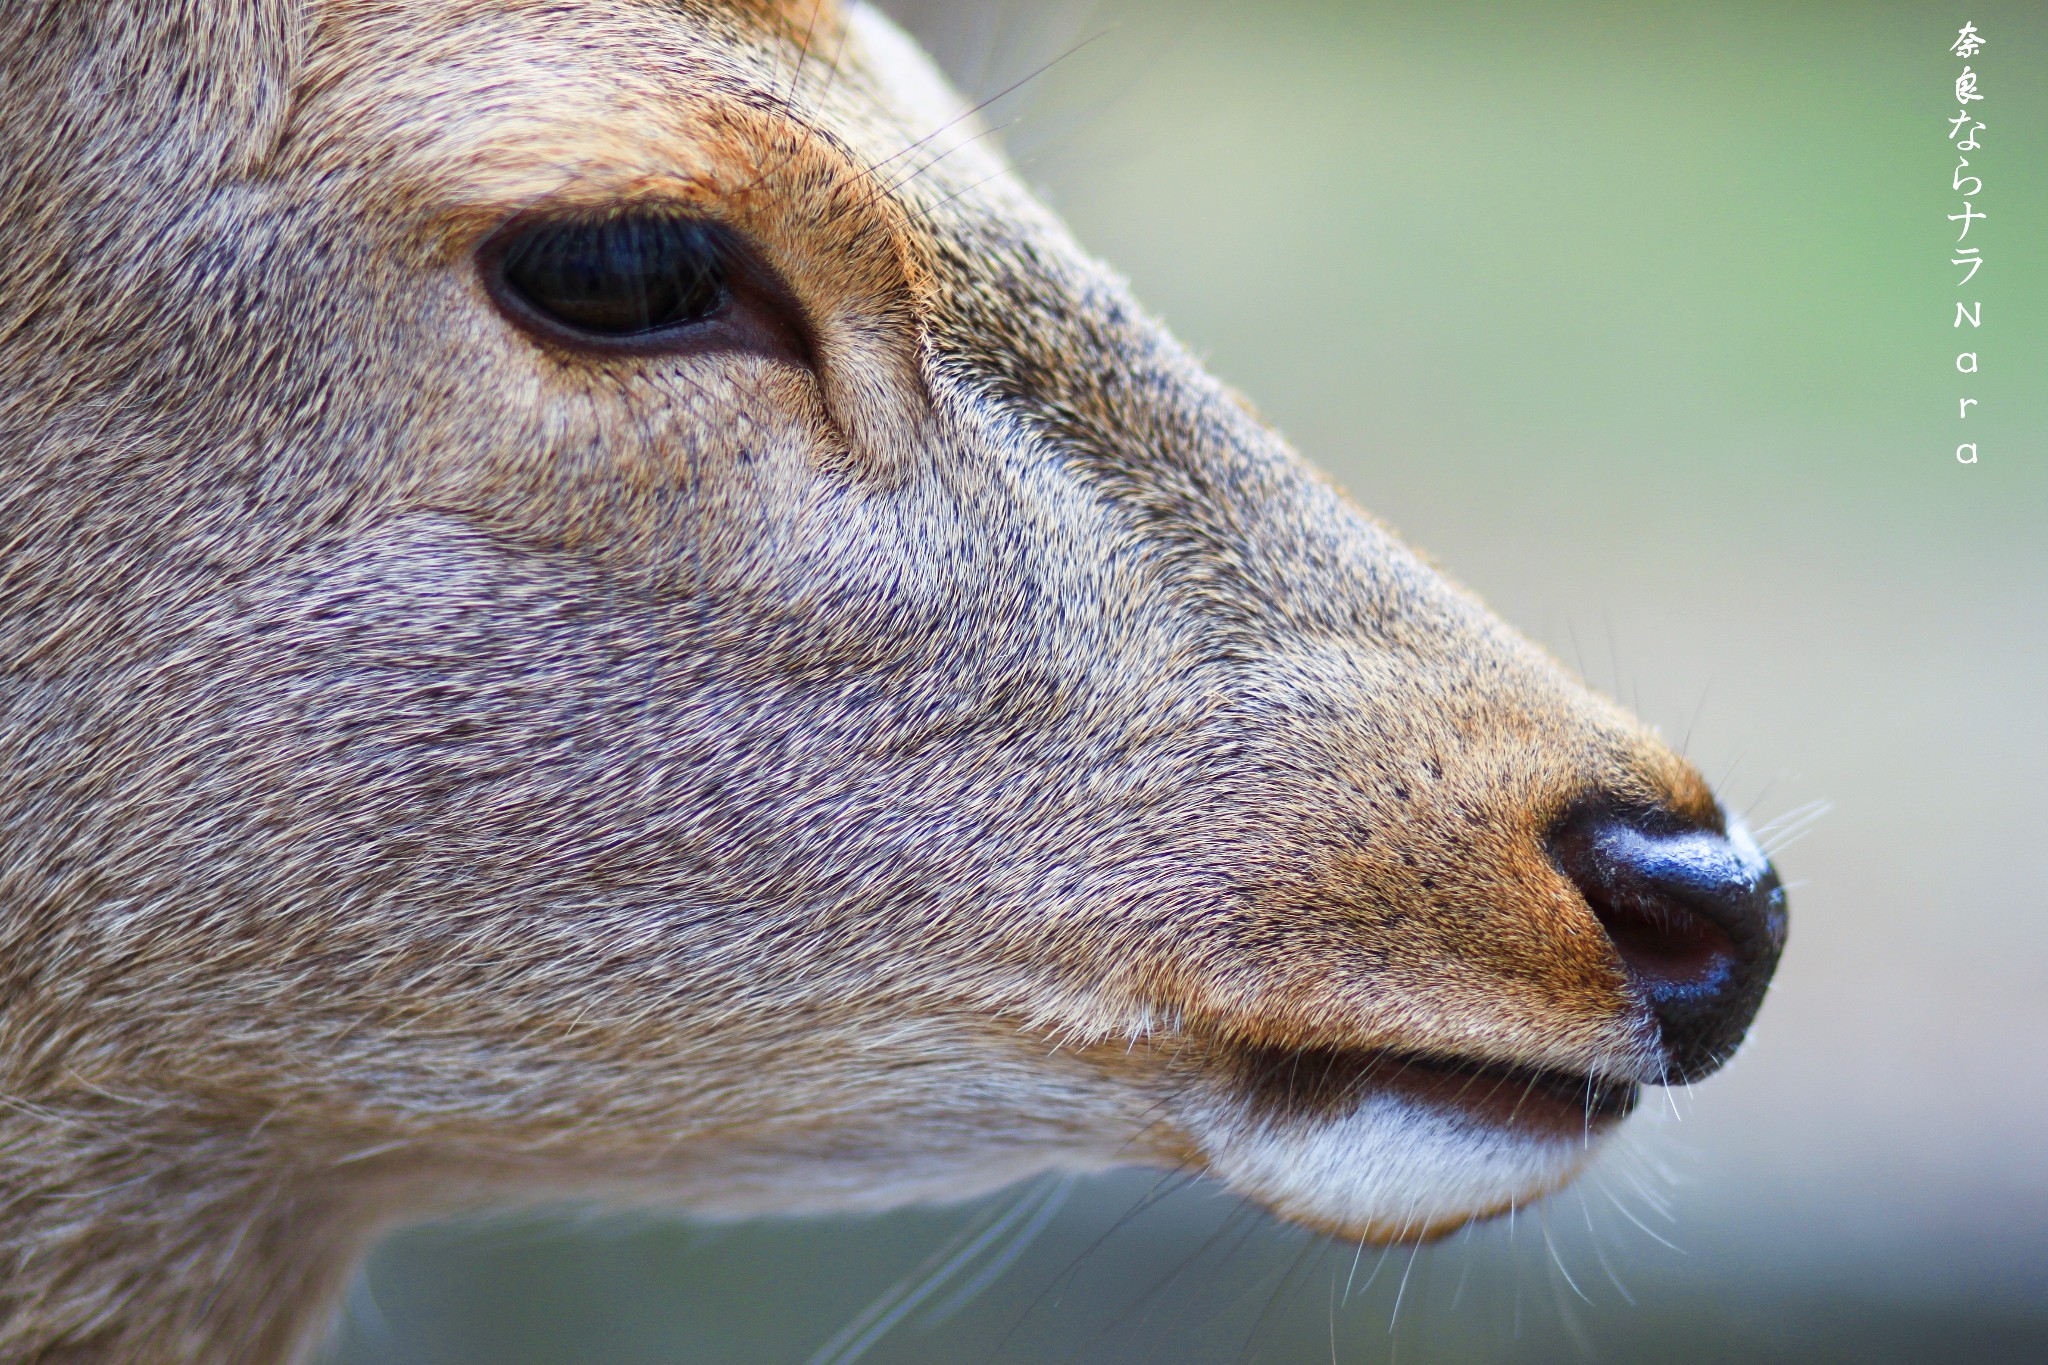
x=1697 y=918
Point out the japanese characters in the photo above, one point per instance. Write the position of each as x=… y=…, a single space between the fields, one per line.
x=1963 y=132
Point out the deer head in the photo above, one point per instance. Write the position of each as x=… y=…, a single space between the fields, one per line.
x=596 y=601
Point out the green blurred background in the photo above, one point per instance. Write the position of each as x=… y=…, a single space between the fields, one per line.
x=1638 y=317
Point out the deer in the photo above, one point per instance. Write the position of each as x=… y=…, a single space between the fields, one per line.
x=598 y=603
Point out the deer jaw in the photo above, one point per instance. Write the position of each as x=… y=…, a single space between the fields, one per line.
x=927 y=734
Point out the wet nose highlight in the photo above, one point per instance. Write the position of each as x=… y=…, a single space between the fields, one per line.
x=1697 y=918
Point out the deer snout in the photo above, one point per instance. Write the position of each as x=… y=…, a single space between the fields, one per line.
x=1697 y=918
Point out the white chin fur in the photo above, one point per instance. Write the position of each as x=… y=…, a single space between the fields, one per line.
x=1390 y=1169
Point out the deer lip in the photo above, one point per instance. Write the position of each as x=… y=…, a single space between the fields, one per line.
x=1309 y=1084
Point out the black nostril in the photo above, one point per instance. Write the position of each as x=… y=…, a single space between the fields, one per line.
x=1697 y=918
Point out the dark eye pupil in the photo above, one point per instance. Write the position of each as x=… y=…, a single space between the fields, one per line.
x=622 y=276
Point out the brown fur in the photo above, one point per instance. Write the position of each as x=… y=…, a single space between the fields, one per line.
x=443 y=768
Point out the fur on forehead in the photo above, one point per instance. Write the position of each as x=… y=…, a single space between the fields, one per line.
x=209 y=85
x=188 y=86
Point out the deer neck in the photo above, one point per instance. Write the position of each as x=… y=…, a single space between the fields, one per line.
x=132 y=1235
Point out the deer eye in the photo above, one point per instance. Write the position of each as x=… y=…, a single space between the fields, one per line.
x=621 y=277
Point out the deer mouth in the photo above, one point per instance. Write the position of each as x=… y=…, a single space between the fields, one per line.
x=1381 y=1145
x=1304 y=1085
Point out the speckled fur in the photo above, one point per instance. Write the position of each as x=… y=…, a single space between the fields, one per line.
x=442 y=769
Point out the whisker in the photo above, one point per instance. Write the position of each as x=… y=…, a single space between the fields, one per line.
x=853 y=1341
x=1557 y=1259
x=1048 y=1209
x=1401 y=1292
x=969 y=113
x=1593 y=1239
